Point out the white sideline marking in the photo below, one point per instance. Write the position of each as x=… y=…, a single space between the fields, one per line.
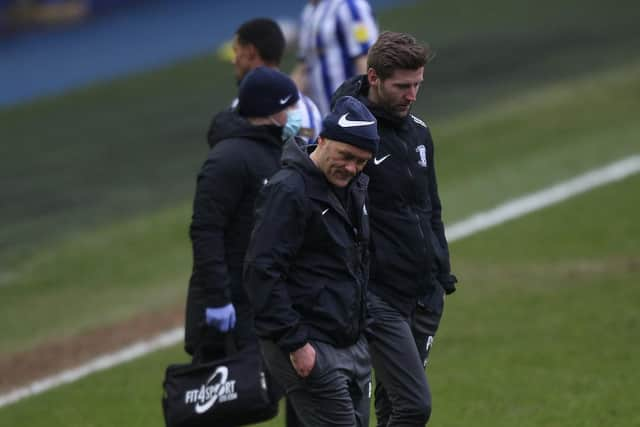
x=141 y=348
x=510 y=210
x=541 y=199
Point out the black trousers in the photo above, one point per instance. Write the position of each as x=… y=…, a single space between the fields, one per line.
x=399 y=347
x=337 y=392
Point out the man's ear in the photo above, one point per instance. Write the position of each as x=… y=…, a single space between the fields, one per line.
x=252 y=53
x=372 y=77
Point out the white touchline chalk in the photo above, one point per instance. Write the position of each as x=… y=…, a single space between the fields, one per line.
x=101 y=363
x=557 y=193
x=476 y=223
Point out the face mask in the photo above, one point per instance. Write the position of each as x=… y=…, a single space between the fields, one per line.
x=292 y=127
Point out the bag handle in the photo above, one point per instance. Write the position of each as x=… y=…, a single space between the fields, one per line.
x=209 y=333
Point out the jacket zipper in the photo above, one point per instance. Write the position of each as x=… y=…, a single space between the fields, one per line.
x=420 y=230
x=419 y=224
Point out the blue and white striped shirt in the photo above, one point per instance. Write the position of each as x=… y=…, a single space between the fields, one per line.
x=311 y=119
x=332 y=34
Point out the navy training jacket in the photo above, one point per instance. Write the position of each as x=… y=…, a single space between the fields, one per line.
x=306 y=268
x=410 y=255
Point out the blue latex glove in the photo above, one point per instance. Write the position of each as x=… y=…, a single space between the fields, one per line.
x=222 y=318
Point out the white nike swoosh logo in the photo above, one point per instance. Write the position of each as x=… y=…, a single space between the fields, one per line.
x=377 y=161
x=284 y=100
x=325 y=211
x=346 y=123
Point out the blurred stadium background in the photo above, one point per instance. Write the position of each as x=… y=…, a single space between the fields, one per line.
x=104 y=107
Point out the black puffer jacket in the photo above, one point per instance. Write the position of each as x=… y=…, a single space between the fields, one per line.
x=306 y=268
x=410 y=256
x=242 y=157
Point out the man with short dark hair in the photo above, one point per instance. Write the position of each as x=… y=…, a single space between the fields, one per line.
x=260 y=42
x=306 y=271
x=246 y=146
x=410 y=269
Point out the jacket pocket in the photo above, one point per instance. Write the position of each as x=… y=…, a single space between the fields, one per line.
x=335 y=310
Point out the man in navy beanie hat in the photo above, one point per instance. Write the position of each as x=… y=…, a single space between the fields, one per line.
x=352 y=123
x=246 y=147
x=306 y=271
x=265 y=91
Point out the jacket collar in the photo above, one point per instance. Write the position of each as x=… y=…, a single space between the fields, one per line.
x=317 y=186
x=229 y=124
x=358 y=87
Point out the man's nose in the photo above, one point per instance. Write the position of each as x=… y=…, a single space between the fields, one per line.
x=351 y=167
x=412 y=94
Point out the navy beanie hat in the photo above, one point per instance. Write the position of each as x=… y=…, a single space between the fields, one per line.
x=265 y=91
x=352 y=123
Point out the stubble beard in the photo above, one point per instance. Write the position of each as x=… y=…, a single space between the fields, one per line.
x=394 y=110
